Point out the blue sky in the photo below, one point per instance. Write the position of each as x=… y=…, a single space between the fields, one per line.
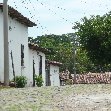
x=58 y=16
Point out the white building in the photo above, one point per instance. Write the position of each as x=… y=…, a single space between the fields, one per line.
x=28 y=59
x=18 y=43
x=37 y=62
x=52 y=73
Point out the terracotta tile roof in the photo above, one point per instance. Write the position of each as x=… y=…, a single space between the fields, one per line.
x=38 y=48
x=18 y=16
x=54 y=63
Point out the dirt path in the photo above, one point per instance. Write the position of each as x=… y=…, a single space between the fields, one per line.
x=67 y=98
x=97 y=102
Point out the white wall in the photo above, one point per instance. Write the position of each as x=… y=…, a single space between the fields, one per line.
x=54 y=75
x=34 y=56
x=17 y=35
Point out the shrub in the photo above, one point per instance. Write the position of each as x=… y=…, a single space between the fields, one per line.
x=39 y=80
x=21 y=81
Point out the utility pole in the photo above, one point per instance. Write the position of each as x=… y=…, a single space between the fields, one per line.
x=74 y=57
x=6 y=48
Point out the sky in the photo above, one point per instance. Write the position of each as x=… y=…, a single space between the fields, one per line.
x=58 y=16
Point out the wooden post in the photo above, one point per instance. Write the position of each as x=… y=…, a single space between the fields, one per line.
x=74 y=58
x=6 y=48
x=13 y=69
x=33 y=73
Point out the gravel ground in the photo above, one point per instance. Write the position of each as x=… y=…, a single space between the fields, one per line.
x=66 y=98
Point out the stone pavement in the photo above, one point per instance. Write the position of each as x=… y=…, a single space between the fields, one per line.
x=66 y=98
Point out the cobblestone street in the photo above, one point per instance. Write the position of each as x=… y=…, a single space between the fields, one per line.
x=65 y=98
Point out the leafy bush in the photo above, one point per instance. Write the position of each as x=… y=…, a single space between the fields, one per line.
x=21 y=81
x=39 y=80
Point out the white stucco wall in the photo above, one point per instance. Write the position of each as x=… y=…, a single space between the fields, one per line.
x=34 y=56
x=17 y=35
x=54 y=75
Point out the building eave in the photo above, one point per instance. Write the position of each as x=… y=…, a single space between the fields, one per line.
x=13 y=13
x=55 y=63
x=38 y=48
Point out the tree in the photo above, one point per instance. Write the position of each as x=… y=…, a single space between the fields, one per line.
x=60 y=45
x=95 y=38
x=62 y=48
x=84 y=64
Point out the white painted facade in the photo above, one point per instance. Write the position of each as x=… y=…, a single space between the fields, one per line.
x=35 y=55
x=18 y=34
x=54 y=75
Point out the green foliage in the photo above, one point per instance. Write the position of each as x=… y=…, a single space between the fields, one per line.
x=95 y=38
x=39 y=80
x=60 y=45
x=62 y=51
x=83 y=63
x=21 y=81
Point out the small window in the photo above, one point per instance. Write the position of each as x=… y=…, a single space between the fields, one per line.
x=22 y=55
